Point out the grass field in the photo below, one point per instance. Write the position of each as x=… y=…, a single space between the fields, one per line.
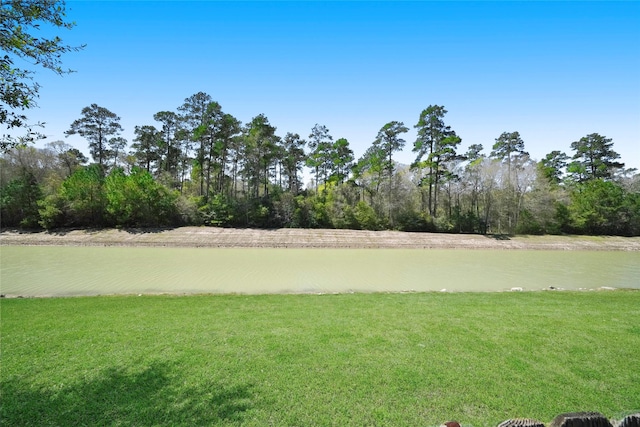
x=318 y=360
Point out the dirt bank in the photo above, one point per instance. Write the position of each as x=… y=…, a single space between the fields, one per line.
x=308 y=238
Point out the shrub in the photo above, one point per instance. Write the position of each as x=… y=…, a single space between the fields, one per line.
x=415 y=221
x=19 y=202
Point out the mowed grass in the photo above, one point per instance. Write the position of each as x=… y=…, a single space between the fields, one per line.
x=318 y=360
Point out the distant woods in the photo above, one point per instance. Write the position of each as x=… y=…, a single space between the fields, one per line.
x=199 y=165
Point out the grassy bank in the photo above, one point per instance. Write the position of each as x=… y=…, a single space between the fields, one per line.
x=364 y=359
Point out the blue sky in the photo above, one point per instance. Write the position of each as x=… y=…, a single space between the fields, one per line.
x=554 y=71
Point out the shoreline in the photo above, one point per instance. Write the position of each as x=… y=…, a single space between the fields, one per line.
x=214 y=237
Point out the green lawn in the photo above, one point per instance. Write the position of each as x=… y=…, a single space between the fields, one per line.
x=326 y=360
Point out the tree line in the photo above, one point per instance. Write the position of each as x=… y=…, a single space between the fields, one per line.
x=199 y=165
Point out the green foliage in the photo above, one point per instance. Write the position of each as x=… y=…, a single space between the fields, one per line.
x=444 y=224
x=321 y=217
x=19 y=202
x=603 y=207
x=258 y=213
x=311 y=212
x=260 y=216
x=96 y=125
x=187 y=211
x=137 y=200
x=84 y=197
x=594 y=158
x=366 y=217
x=338 y=201
x=224 y=174
x=562 y=219
x=218 y=211
x=415 y=221
x=51 y=210
x=19 y=92
x=552 y=165
x=369 y=171
x=88 y=198
x=508 y=144
x=293 y=160
x=147 y=147
x=284 y=209
x=436 y=151
x=304 y=214
x=259 y=152
x=389 y=141
x=168 y=150
x=122 y=200
x=71 y=158
x=322 y=153
x=341 y=160
x=431 y=129
x=631 y=213
x=465 y=222
x=528 y=224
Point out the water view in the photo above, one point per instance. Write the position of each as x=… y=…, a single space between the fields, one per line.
x=63 y=271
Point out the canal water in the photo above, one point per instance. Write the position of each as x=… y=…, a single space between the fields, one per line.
x=66 y=271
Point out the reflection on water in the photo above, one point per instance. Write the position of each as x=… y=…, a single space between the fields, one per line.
x=28 y=270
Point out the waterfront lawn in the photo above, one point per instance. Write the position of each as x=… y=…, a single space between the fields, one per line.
x=318 y=360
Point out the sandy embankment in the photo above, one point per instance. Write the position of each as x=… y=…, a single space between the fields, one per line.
x=310 y=238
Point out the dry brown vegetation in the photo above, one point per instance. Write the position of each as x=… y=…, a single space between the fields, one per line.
x=310 y=238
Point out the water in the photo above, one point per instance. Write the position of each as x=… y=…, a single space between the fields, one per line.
x=62 y=271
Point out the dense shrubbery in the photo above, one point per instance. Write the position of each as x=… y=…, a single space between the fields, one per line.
x=19 y=201
x=89 y=197
x=604 y=207
x=204 y=168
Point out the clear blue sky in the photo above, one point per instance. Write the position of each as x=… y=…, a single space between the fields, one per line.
x=554 y=71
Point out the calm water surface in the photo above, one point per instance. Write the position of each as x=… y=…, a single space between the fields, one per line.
x=59 y=271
